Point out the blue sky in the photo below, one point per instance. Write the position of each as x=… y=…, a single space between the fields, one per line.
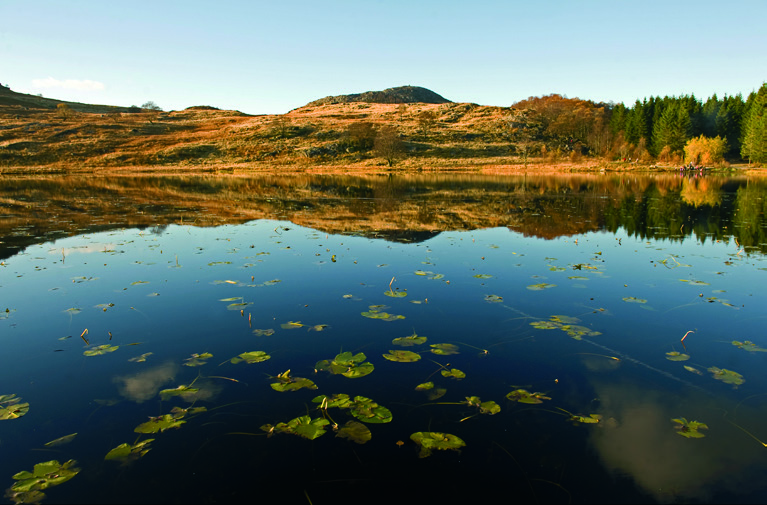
x=266 y=57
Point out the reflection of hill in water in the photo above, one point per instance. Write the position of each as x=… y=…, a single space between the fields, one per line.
x=401 y=208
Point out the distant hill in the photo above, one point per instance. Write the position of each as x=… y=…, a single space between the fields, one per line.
x=401 y=94
x=9 y=97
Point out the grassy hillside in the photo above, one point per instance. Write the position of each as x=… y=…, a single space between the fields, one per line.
x=332 y=134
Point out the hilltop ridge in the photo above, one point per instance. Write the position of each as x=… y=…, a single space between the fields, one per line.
x=400 y=94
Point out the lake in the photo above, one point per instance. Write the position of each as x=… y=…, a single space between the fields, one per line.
x=331 y=339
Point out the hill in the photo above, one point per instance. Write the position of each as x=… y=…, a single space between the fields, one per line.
x=12 y=98
x=401 y=94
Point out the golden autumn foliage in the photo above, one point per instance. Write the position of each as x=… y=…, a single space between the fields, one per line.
x=705 y=151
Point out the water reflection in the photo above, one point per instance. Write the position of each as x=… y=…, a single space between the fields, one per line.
x=406 y=208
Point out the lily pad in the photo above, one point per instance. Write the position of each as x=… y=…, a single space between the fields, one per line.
x=44 y=475
x=346 y=364
x=368 y=411
x=250 y=357
x=444 y=349
x=632 y=299
x=185 y=392
x=454 y=373
x=376 y=313
x=402 y=356
x=395 y=294
x=524 y=396
x=198 y=359
x=727 y=376
x=493 y=298
x=693 y=370
x=61 y=440
x=431 y=440
x=356 y=432
x=689 y=429
x=410 y=340
x=540 y=286
x=303 y=426
x=159 y=424
x=425 y=386
x=140 y=359
x=287 y=383
x=545 y=325
x=592 y=419
x=748 y=346
x=483 y=276
x=10 y=408
x=677 y=356
x=263 y=333
x=341 y=401
x=101 y=349
x=292 y=325
x=319 y=327
x=126 y=453
x=694 y=283
x=489 y=407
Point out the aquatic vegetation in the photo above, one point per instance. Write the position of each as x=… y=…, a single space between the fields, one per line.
x=292 y=325
x=263 y=332
x=29 y=485
x=61 y=440
x=524 y=396
x=287 y=383
x=444 y=349
x=493 y=298
x=632 y=299
x=693 y=370
x=127 y=453
x=250 y=357
x=402 y=356
x=356 y=432
x=303 y=426
x=483 y=276
x=100 y=349
x=434 y=441
x=566 y=324
x=424 y=386
x=689 y=429
x=198 y=359
x=677 y=356
x=540 y=286
x=376 y=313
x=454 y=373
x=159 y=424
x=410 y=340
x=346 y=364
x=488 y=407
x=10 y=408
x=727 y=376
x=748 y=346
x=140 y=359
x=368 y=411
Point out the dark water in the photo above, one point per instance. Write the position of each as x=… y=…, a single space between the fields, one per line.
x=182 y=266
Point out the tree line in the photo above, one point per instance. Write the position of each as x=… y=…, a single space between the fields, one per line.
x=667 y=129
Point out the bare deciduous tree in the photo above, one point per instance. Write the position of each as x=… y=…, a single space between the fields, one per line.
x=388 y=145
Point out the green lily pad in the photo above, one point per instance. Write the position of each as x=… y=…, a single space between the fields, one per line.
x=540 y=286
x=61 y=440
x=368 y=411
x=263 y=333
x=454 y=373
x=592 y=419
x=577 y=332
x=303 y=426
x=436 y=393
x=493 y=298
x=432 y=440
x=409 y=341
x=693 y=370
x=376 y=313
x=341 y=401
x=198 y=359
x=727 y=376
x=546 y=325
x=402 y=356
x=100 y=349
x=631 y=299
x=126 y=453
x=185 y=392
x=689 y=429
x=694 y=283
x=287 y=383
x=44 y=475
x=677 y=356
x=566 y=324
x=356 y=432
x=319 y=327
x=159 y=424
x=142 y=358
x=425 y=386
x=444 y=349
x=483 y=276
x=524 y=396
x=748 y=346
x=250 y=357
x=346 y=364
x=10 y=408
x=489 y=407
x=292 y=325
x=558 y=318
x=395 y=294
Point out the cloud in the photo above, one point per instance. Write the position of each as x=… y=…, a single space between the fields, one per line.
x=78 y=84
x=144 y=386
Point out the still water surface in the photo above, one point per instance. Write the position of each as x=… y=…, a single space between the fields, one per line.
x=579 y=289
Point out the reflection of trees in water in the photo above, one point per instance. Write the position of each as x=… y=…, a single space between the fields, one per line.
x=398 y=207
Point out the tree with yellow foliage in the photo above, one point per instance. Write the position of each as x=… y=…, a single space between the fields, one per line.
x=705 y=151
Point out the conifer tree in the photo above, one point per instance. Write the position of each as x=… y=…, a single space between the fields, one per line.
x=754 y=141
